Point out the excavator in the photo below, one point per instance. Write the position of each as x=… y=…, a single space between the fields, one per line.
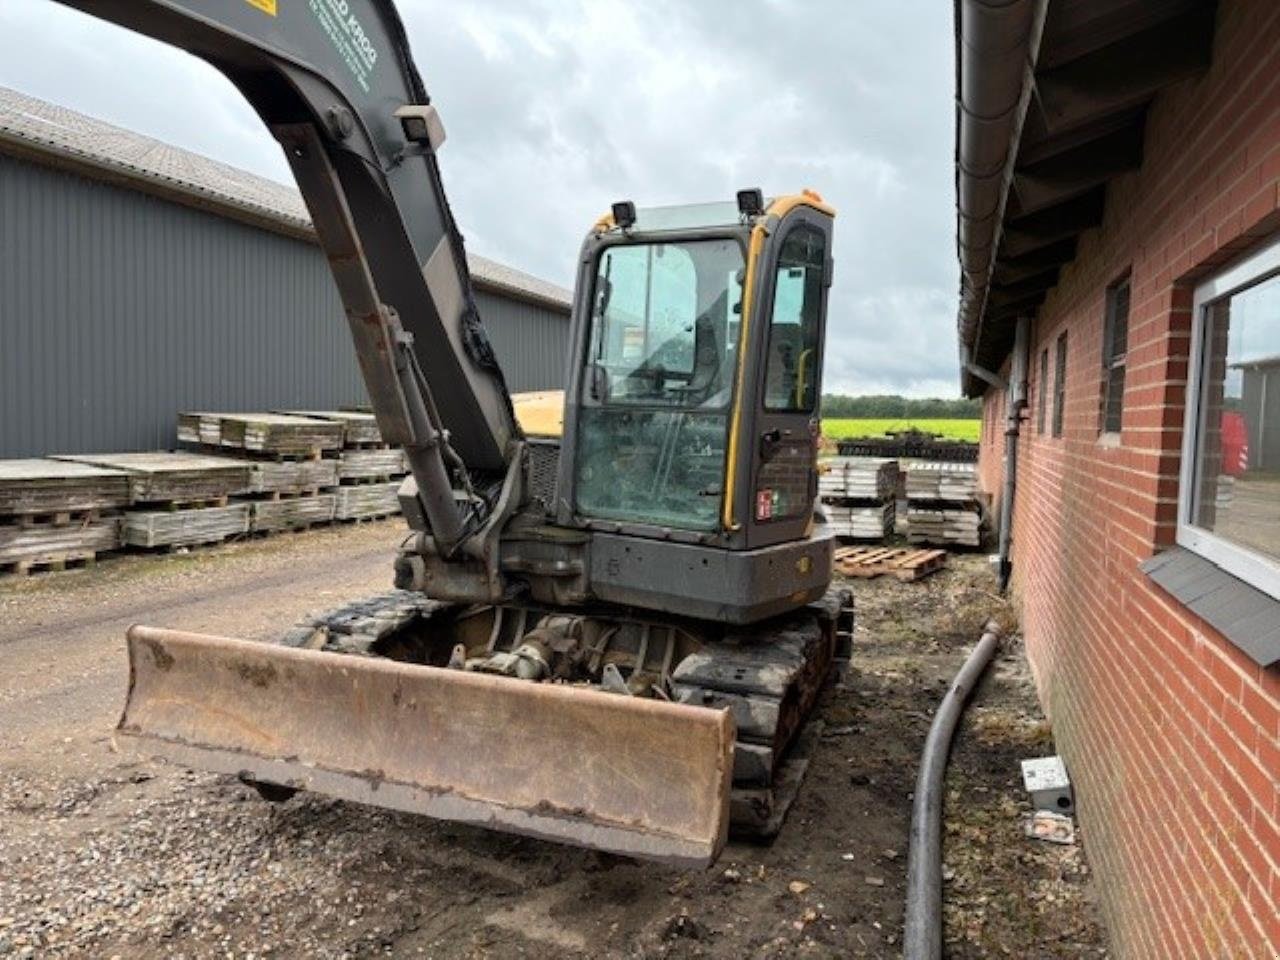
x=614 y=611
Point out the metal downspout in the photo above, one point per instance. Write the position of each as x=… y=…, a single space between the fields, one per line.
x=1015 y=403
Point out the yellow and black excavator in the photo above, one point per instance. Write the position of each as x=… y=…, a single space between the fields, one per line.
x=610 y=622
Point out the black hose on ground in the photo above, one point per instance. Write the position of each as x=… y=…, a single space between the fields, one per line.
x=922 y=939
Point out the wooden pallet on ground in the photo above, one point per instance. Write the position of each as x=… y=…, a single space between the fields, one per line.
x=906 y=565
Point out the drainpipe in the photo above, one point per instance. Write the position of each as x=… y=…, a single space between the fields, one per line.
x=1015 y=402
x=922 y=924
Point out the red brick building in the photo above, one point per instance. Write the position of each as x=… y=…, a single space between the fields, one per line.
x=1118 y=168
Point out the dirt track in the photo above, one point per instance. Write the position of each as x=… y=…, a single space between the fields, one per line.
x=103 y=854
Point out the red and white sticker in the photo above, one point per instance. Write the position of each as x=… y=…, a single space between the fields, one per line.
x=764 y=504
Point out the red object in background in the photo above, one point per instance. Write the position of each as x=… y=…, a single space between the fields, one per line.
x=1235 y=444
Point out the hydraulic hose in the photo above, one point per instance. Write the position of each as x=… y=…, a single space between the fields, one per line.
x=923 y=936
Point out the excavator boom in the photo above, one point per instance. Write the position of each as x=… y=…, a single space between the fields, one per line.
x=334 y=82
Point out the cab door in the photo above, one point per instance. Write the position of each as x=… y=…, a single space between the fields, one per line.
x=796 y=279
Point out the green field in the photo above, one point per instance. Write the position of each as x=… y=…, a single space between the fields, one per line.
x=951 y=429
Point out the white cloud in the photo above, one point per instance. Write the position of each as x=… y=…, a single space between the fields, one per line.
x=555 y=109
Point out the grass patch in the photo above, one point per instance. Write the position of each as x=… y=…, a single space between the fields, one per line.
x=854 y=429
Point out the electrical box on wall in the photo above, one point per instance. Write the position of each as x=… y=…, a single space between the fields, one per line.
x=1047 y=782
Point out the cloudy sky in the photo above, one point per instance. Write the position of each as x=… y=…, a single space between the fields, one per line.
x=554 y=109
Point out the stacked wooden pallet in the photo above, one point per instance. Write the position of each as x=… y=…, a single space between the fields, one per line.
x=370 y=464
x=358 y=429
x=200 y=429
x=53 y=513
x=942 y=504
x=52 y=545
x=859 y=495
x=44 y=486
x=291 y=477
x=362 y=501
x=369 y=470
x=289 y=462
x=291 y=513
x=280 y=434
x=188 y=527
x=272 y=434
x=173 y=477
x=176 y=499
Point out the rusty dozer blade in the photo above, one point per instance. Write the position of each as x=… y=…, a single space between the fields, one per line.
x=629 y=775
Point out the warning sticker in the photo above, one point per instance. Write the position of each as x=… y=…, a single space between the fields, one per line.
x=266 y=6
x=348 y=37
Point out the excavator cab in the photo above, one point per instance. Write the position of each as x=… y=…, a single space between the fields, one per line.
x=697 y=341
x=607 y=634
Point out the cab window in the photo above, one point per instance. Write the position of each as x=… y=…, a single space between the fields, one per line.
x=791 y=371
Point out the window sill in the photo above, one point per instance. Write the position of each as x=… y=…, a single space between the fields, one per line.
x=1109 y=441
x=1242 y=613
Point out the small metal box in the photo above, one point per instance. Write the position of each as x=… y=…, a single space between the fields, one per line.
x=1047 y=782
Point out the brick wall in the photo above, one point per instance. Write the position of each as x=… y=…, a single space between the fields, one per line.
x=1171 y=735
x=991 y=447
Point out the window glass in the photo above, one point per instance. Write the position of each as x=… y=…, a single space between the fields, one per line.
x=665 y=324
x=653 y=423
x=791 y=372
x=1042 y=390
x=1115 y=349
x=1237 y=472
x=1059 y=384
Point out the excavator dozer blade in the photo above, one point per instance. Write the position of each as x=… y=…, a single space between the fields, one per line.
x=629 y=775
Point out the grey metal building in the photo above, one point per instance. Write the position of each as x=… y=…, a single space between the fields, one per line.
x=137 y=280
x=1260 y=404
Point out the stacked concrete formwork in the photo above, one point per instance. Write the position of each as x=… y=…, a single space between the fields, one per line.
x=858 y=496
x=307 y=467
x=369 y=470
x=54 y=513
x=176 y=499
x=289 y=462
x=942 y=504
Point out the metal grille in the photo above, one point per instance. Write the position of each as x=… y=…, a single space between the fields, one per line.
x=544 y=467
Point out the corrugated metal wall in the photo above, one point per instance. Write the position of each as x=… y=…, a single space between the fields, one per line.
x=118 y=309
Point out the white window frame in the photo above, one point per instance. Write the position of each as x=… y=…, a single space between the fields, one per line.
x=1248 y=565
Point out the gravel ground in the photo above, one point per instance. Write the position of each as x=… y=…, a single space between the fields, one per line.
x=106 y=854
